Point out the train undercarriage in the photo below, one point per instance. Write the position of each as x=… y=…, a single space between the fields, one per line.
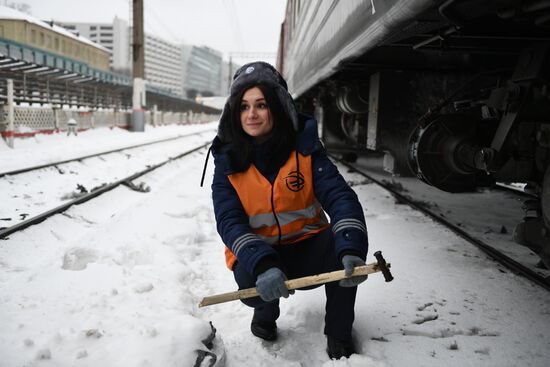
x=461 y=106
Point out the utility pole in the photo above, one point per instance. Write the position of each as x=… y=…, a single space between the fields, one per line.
x=138 y=67
x=11 y=114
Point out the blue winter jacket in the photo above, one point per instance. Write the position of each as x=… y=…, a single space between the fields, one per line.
x=338 y=200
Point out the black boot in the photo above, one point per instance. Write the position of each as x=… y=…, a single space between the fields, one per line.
x=337 y=349
x=266 y=330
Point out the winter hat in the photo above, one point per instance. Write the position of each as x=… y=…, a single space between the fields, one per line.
x=250 y=75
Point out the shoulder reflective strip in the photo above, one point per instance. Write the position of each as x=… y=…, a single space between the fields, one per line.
x=243 y=240
x=268 y=219
x=349 y=223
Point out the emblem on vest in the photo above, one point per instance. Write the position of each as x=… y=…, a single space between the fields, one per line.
x=295 y=181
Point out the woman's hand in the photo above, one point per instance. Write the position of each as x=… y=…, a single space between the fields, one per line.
x=271 y=284
x=350 y=262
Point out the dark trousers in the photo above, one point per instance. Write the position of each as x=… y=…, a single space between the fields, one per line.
x=312 y=256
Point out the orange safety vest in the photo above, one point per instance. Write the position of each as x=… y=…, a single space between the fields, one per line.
x=283 y=213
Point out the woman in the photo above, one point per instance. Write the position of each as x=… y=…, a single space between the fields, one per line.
x=271 y=183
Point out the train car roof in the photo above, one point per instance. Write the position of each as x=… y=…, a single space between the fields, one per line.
x=12 y=14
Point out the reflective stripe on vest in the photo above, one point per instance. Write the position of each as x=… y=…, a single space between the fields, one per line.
x=298 y=214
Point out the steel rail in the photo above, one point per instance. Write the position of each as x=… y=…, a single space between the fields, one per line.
x=45 y=165
x=492 y=252
x=103 y=189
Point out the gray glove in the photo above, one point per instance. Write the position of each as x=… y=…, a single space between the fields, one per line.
x=271 y=284
x=349 y=262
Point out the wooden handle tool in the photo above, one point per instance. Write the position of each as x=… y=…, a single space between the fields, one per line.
x=301 y=282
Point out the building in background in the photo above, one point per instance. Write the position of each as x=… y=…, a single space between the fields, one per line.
x=163 y=64
x=201 y=71
x=185 y=70
x=113 y=36
x=163 y=59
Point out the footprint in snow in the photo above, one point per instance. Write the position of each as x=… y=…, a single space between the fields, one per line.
x=77 y=258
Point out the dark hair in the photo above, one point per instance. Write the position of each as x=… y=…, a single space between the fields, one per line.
x=282 y=139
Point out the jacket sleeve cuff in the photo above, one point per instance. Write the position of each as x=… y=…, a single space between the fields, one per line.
x=266 y=263
x=350 y=237
x=350 y=252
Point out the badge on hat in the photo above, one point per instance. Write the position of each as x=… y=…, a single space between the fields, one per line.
x=249 y=69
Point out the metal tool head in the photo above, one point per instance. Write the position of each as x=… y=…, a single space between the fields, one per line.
x=383 y=266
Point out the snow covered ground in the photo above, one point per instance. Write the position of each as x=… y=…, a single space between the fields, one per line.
x=116 y=282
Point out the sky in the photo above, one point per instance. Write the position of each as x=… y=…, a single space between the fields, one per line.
x=116 y=281
x=250 y=26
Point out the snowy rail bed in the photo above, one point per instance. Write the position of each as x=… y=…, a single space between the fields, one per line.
x=116 y=282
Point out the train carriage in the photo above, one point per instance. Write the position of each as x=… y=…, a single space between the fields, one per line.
x=455 y=92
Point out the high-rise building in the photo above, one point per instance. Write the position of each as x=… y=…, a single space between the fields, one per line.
x=202 y=71
x=163 y=64
x=185 y=70
x=113 y=36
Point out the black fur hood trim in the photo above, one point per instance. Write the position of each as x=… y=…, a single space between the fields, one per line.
x=249 y=75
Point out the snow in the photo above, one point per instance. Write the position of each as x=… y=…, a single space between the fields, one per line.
x=116 y=281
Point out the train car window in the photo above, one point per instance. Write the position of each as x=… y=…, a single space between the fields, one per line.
x=56 y=42
x=1 y=30
x=33 y=35
x=49 y=41
x=41 y=38
x=93 y=28
x=63 y=46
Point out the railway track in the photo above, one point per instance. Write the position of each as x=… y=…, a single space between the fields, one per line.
x=80 y=158
x=5 y=232
x=499 y=256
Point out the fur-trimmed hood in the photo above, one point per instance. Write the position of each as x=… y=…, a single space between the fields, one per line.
x=249 y=75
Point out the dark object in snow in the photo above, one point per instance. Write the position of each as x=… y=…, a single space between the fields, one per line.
x=208 y=342
x=379 y=339
x=503 y=230
x=139 y=188
x=23 y=216
x=207 y=356
x=454 y=346
x=61 y=171
x=396 y=186
x=81 y=188
x=352 y=183
x=5 y=218
x=93 y=333
x=350 y=157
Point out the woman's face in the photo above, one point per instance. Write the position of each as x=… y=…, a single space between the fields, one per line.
x=255 y=115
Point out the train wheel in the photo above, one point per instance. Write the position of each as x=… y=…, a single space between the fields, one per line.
x=434 y=154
